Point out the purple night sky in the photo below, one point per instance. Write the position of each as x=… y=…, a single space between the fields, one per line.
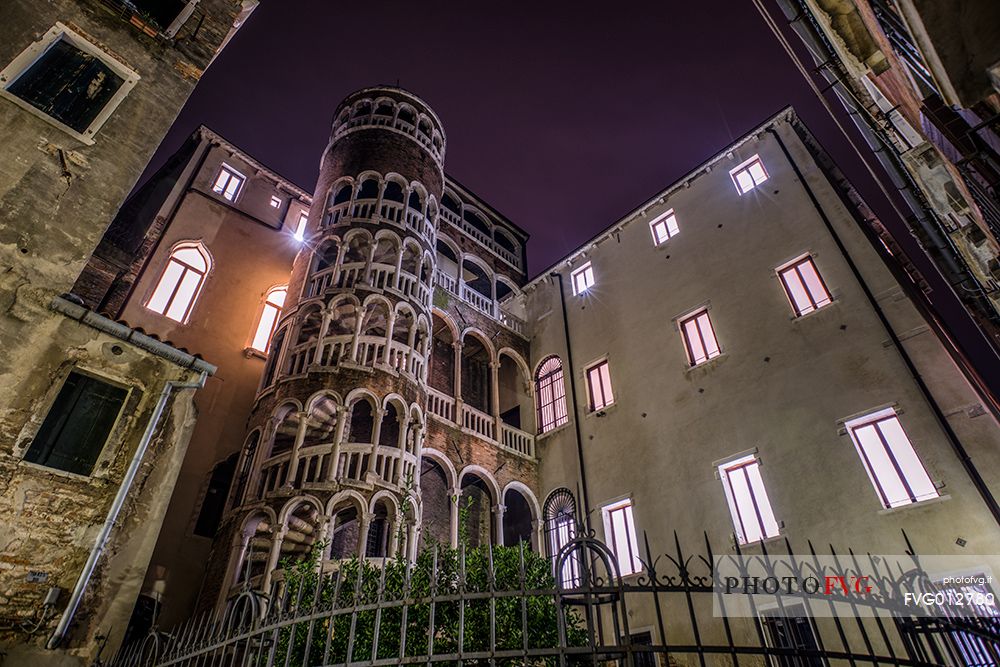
x=563 y=116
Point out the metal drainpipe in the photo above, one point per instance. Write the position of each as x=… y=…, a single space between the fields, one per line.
x=956 y=444
x=576 y=407
x=123 y=490
x=957 y=272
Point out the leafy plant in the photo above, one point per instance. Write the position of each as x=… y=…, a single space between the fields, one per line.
x=395 y=598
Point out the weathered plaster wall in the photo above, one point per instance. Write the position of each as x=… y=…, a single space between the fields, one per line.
x=49 y=519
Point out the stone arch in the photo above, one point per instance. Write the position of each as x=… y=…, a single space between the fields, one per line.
x=252 y=545
x=387 y=247
x=287 y=416
x=482 y=276
x=438 y=481
x=479 y=494
x=515 y=389
x=505 y=241
x=412 y=253
x=363 y=408
x=521 y=514
x=506 y=288
x=293 y=503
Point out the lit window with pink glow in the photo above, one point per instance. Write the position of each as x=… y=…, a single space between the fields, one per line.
x=583 y=278
x=300 y=229
x=620 y=535
x=699 y=338
x=275 y=202
x=228 y=183
x=753 y=518
x=551 y=392
x=273 y=303
x=599 y=386
x=804 y=286
x=664 y=227
x=749 y=175
x=181 y=282
x=891 y=462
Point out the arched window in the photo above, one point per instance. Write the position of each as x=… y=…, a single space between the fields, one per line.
x=181 y=281
x=273 y=303
x=550 y=387
x=560 y=528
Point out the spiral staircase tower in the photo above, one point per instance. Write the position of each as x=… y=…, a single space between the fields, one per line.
x=335 y=434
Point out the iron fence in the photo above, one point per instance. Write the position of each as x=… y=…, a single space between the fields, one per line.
x=502 y=606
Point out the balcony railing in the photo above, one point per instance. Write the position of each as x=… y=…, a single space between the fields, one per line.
x=482 y=238
x=477 y=422
x=391 y=465
x=480 y=302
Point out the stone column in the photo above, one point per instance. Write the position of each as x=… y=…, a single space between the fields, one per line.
x=323 y=327
x=357 y=334
x=364 y=523
x=456 y=498
x=390 y=325
x=399 y=258
x=293 y=460
x=499 y=510
x=404 y=429
x=412 y=537
x=272 y=560
x=457 y=345
x=376 y=432
x=338 y=439
x=495 y=398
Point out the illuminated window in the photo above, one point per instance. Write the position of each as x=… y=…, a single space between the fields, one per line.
x=275 y=202
x=228 y=183
x=599 y=386
x=300 y=229
x=619 y=533
x=892 y=464
x=560 y=526
x=803 y=285
x=753 y=517
x=269 y=318
x=551 y=390
x=699 y=338
x=583 y=279
x=181 y=281
x=664 y=227
x=749 y=175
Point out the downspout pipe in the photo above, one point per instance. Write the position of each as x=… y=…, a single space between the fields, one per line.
x=56 y=640
x=956 y=444
x=576 y=407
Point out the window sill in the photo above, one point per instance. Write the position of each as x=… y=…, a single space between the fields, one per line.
x=601 y=412
x=780 y=537
x=552 y=432
x=77 y=477
x=707 y=364
x=830 y=307
x=919 y=503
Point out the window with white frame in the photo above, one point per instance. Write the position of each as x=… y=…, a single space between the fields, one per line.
x=228 y=183
x=68 y=81
x=892 y=464
x=268 y=321
x=583 y=278
x=599 y=386
x=560 y=526
x=753 y=518
x=803 y=285
x=620 y=536
x=699 y=337
x=664 y=227
x=748 y=175
x=275 y=202
x=181 y=282
x=300 y=228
